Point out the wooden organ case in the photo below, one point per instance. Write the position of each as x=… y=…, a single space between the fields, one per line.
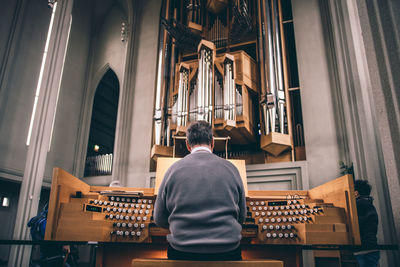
x=277 y=222
x=233 y=64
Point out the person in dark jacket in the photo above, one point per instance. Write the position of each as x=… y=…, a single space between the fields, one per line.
x=202 y=201
x=368 y=256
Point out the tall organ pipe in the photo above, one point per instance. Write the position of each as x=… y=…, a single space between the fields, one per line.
x=210 y=91
x=157 y=111
x=226 y=93
x=200 y=87
x=229 y=89
x=239 y=102
x=271 y=88
x=268 y=99
x=207 y=84
x=160 y=86
x=279 y=71
x=182 y=95
x=203 y=85
x=205 y=78
x=273 y=99
x=185 y=98
x=262 y=58
x=232 y=92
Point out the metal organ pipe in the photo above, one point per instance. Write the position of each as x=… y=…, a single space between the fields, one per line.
x=157 y=109
x=271 y=95
x=229 y=91
x=205 y=85
x=209 y=90
x=162 y=56
x=274 y=97
x=179 y=109
x=226 y=93
x=232 y=93
x=200 y=87
x=185 y=97
x=219 y=98
x=267 y=96
x=239 y=102
x=279 y=71
x=182 y=96
x=193 y=103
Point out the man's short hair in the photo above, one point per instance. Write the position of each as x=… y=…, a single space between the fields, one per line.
x=363 y=187
x=199 y=133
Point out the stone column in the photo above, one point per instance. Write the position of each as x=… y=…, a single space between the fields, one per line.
x=355 y=76
x=41 y=131
x=10 y=49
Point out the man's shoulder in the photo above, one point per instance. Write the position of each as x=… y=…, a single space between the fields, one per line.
x=176 y=165
x=208 y=157
x=200 y=159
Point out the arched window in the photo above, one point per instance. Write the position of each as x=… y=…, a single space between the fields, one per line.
x=99 y=156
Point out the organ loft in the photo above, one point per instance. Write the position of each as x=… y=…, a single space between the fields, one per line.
x=97 y=97
x=233 y=65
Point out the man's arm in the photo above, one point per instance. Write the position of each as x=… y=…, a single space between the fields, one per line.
x=161 y=213
x=242 y=199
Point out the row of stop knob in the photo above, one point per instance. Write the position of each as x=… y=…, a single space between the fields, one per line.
x=280 y=235
x=276 y=208
x=278 y=227
x=123 y=210
x=286 y=213
x=285 y=219
x=129 y=225
x=129 y=199
x=126 y=217
x=121 y=205
x=262 y=203
x=126 y=233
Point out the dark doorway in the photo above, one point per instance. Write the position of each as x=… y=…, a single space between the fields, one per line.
x=99 y=156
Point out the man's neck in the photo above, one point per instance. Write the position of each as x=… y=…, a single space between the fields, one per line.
x=201 y=148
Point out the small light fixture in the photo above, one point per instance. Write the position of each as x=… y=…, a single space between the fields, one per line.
x=96 y=148
x=124 y=32
x=5 y=202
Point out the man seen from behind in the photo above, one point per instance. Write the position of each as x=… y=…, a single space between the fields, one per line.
x=202 y=202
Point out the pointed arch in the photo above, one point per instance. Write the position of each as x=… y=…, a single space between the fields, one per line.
x=101 y=139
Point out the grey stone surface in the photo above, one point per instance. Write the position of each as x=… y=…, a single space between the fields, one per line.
x=67 y=120
x=144 y=91
x=17 y=98
x=320 y=131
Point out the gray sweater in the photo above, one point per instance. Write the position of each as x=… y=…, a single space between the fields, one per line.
x=202 y=202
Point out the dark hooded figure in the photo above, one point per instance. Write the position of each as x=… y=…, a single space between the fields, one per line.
x=368 y=255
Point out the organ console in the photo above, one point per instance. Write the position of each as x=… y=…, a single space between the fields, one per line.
x=277 y=222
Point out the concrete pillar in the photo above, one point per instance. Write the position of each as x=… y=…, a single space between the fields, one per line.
x=324 y=147
x=143 y=74
x=11 y=43
x=354 y=80
x=41 y=131
x=380 y=25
